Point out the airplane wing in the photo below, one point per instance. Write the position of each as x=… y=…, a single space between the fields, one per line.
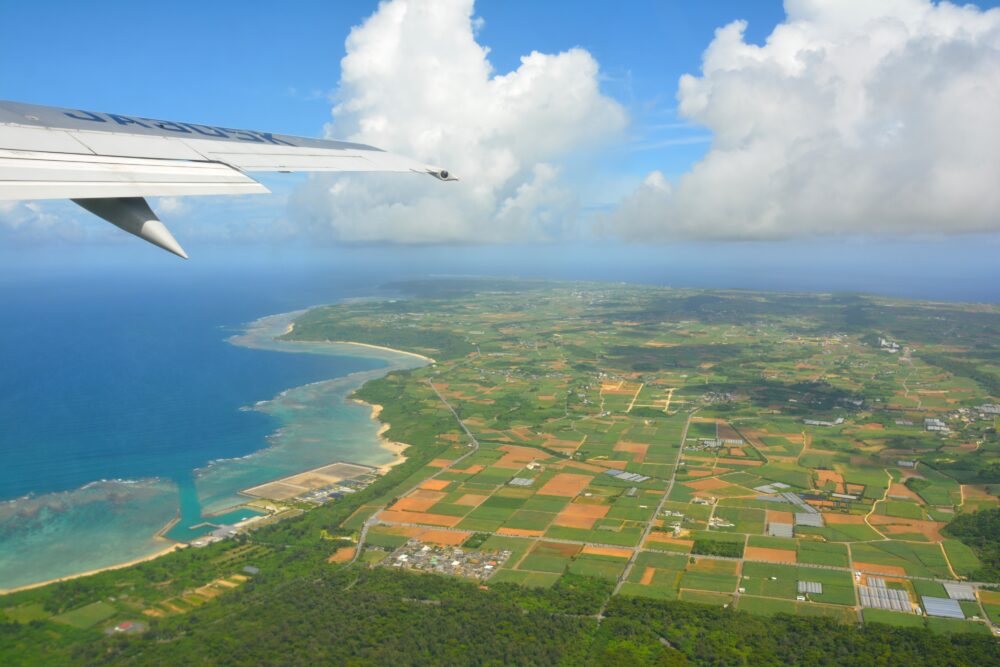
x=108 y=163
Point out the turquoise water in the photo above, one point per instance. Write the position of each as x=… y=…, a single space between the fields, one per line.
x=104 y=444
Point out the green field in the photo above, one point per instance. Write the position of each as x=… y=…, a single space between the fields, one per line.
x=87 y=616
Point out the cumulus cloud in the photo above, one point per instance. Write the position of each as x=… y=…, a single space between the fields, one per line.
x=853 y=118
x=42 y=220
x=415 y=81
x=172 y=206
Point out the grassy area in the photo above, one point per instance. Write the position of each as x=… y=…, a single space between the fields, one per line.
x=87 y=616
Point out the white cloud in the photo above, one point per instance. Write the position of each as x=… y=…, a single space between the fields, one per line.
x=173 y=206
x=43 y=220
x=853 y=118
x=415 y=81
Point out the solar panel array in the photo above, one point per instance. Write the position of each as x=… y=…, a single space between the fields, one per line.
x=796 y=500
x=629 y=476
x=808 y=519
x=775 y=529
x=945 y=607
x=960 y=591
x=810 y=587
x=878 y=597
x=521 y=481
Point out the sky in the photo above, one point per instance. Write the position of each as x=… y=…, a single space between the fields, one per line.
x=729 y=125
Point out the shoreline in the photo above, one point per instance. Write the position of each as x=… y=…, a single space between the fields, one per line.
x=291 y=327
x=379 y=347
x=397 y=450
x=117 y=566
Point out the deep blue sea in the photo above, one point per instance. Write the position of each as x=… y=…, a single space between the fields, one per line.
x=107 y=381
x=123 y=404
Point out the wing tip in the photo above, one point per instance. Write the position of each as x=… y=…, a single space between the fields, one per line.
x=441 y=174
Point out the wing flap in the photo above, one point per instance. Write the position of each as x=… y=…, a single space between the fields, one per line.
x=40 y=139
x=262 y=157
x=37 y=175
x=133 y=145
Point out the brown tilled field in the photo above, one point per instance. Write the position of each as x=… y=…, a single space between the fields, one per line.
x=772 y=555
x=565 y=484
x=420 y=517
x=895 y=526
x=470 y=500
x=637 y=448
x=576 y=515
x=833 y=517
x=516 y=457
x=341 y=555
x=419 y=501
x=519 y=532
x=707 y=484
x=608 y=551
x=878 y=568
x=774 y=516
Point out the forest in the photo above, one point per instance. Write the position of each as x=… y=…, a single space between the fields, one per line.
x=377 y=617
x=981 y=531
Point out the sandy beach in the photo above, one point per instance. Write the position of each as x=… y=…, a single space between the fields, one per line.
x=117 y=566
x=395 y=448
x=383 y=348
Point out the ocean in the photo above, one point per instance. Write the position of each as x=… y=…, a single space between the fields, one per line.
x=124 y=403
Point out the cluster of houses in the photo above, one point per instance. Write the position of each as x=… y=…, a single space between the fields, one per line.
x=415 y=555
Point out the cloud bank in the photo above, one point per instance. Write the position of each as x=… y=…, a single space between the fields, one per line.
x=415 y=81
x=853 y=118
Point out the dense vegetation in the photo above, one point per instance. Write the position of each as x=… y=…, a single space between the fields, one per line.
x=325 y=324
x=717 y=548
x=981 y=531
x=970 y=369
x=376 y=617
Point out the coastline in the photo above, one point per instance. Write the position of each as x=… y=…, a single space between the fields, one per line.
x=395 y=449
x=117 y=566
x=291 y=327
x=382 y=348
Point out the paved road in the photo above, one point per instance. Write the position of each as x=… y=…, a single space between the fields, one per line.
x=649 y=524
x=637 y=549
x=373 y=519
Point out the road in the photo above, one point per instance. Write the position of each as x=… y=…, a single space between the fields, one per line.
x=373 y=519
x=652 y=521
x=637 y=549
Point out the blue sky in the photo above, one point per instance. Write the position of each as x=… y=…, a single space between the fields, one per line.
x=244 y=64
x=250 y=64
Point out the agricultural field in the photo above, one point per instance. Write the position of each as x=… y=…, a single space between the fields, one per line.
x=687 y=445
